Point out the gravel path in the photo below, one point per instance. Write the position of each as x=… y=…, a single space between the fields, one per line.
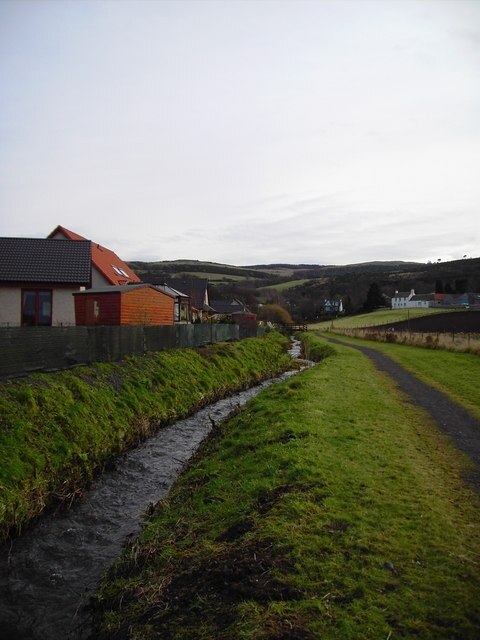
x=454 y=420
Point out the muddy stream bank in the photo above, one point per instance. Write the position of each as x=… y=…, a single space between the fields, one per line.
x=48 y=575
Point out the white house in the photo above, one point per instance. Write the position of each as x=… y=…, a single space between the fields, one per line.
x=401 y=299
x=412 y=300
x=421 y=301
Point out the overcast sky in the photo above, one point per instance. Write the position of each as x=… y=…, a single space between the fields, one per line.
x=244 y=132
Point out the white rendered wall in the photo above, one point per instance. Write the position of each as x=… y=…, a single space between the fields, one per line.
x=63 y=306
x=97 y=279
x=10 y=307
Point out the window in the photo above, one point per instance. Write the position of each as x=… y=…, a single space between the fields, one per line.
x=36 y=308
x=120 y=272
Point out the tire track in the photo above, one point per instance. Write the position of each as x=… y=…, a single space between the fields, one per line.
x=462 y=428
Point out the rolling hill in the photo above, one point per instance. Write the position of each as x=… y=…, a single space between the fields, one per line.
x=302 y=288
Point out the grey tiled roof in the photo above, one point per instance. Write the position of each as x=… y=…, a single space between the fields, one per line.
x=171 y=291
x=194 y=288
x=45 y=260
x=422 y=296
x=227 y=306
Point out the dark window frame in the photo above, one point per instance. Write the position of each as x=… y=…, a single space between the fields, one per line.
x=36 y=317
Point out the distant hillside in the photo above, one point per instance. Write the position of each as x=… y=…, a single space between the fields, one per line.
x=277 y=273
x=302 y=288
x=154 y=271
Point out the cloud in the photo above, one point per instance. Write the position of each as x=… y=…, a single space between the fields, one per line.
x=243 y=132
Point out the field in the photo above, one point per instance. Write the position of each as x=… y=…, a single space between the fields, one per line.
x=374 y=318
x=284 y=286
x=329 y=508
x=454 y=374
x=212 y=277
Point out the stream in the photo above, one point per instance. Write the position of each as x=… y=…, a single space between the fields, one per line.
x=48 y=574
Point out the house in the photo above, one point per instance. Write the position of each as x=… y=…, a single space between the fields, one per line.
x=414 y=300
x=38 y=277
x=401 y=299
x=135 y=304
x=107 y=267
x=182 y=310
x=197 y=290
x=421 y=301
x=235 y=311
x=227 y=307
x=470 y=300
x=333 y=306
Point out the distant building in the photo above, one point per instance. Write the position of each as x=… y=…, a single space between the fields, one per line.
x=333 y=306
x=412 y=300
x=197 y=290
x=227 y=307
x=401 y=299
x=235 y=311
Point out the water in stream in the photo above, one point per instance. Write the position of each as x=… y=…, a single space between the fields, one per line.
x=48 y=574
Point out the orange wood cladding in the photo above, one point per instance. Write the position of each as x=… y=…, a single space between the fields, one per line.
x=146 y=306
x=135 y=306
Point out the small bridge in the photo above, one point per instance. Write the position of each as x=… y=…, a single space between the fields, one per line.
x=292 y=328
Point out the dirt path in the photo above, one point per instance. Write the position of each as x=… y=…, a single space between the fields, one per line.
x=454 y=420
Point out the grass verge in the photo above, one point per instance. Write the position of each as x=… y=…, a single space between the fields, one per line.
x=455 y=374
x=57 y=430
x=328 y=508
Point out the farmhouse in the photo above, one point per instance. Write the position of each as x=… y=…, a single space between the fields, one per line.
x=37 y=279
x=124 y=305
x=412 y=300
x=421 y=300
x=401 y=299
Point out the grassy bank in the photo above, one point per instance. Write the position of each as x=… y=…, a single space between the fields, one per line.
x=457 y=375
x=57 y=430
x=329 y=508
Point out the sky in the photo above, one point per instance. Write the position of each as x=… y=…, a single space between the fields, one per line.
x=244 y=132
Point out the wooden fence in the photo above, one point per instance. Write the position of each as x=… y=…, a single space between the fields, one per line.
x=451 y=340
x=24 y=350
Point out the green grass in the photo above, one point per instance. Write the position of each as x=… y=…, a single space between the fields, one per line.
x=57 y=430
x=328 y=508
x=285 y=285
x=383 y=316
x=213 y=277
x=457 y=375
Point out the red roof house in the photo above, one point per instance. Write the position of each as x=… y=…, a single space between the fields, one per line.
x=107 y=267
